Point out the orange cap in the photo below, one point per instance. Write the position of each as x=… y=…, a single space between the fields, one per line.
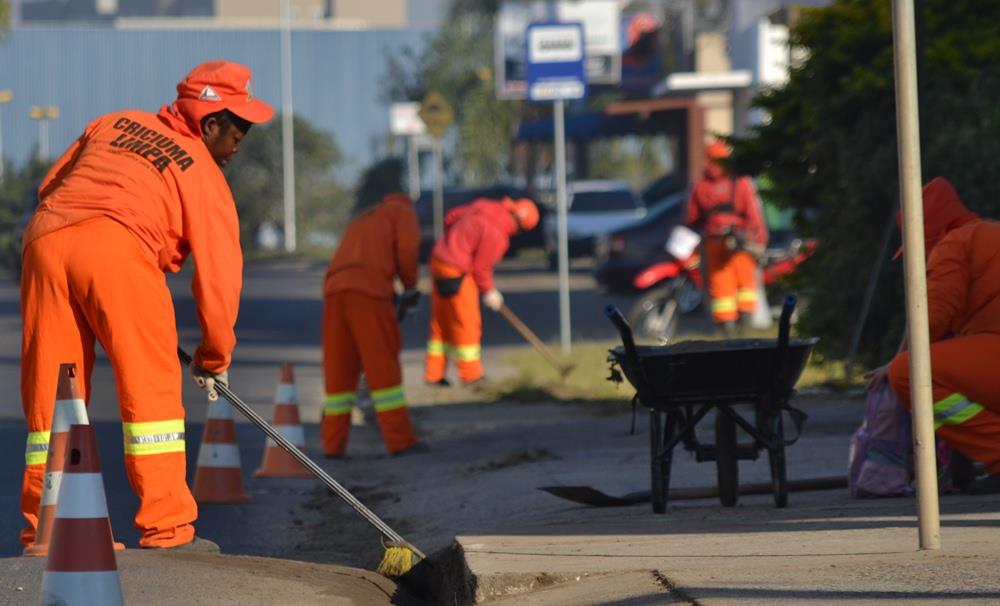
x=524 y=210
x=717 y=150
x=217 y=85
x=943 y=212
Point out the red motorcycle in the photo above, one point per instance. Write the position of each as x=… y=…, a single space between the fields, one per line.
x=676 y=287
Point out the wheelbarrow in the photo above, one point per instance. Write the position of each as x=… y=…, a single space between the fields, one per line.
x=681 y=383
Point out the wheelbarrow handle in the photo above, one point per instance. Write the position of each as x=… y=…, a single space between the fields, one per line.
x=616 y=317
x=785 y=323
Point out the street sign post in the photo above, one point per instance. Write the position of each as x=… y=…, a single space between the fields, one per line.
x=555 y=72
x=405 y=120
x=437 y=114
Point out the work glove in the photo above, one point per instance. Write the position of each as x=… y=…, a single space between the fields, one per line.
x=406 y=302
x=493 y=300
x=208 y=380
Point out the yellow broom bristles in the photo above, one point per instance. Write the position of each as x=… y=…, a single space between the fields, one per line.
x=396 y=562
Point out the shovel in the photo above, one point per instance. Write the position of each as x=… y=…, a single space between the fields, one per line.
x=532 y=338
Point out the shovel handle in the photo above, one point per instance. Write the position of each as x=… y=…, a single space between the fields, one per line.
x=532 y=338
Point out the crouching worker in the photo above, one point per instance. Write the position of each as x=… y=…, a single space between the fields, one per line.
x=476 y=237
x=963 y=308
x=129 y=200
x=360 y=324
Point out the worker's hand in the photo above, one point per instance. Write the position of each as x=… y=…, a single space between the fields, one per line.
x=877 y=376
x=208 y=380
x=407 y=302
x=493 y=300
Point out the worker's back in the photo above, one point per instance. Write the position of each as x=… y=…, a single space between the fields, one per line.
x=378 y=245
x=963 y=283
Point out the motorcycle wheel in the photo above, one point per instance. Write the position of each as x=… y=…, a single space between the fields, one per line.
x=656 y=316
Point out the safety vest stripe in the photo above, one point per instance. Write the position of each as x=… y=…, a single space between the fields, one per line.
x=50 y=494
x=339 y=403
x=87 y=492
x=435 y=348
x=746 y=295
x=467 y=353
x=954 y=410
x=292 y=433
x=154 y=437
x=286 y=394
x=218 y=455
x=37 y=448
x=390 y=398
x=724 y=304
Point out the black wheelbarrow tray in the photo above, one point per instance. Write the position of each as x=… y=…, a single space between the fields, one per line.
x=681 y=383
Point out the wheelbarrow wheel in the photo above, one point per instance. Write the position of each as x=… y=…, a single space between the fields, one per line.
x=726 y=464
x=776 y=456
x=658 y=490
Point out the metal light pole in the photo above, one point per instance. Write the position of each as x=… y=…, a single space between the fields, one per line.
x=908 y=142
x=42 y=114
x=287 y=124
x=5 y=97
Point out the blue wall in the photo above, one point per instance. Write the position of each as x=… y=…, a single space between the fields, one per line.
x=88 y=72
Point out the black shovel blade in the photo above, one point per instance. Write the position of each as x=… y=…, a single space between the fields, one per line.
x=585 y=495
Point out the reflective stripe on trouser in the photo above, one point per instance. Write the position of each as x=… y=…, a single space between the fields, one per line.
x=361 y=333
x=456 y=324
x=966 y=394
x=130 y=311
x=732 y=281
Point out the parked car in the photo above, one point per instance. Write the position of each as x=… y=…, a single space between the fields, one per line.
x=594 y=208
x=457 y=197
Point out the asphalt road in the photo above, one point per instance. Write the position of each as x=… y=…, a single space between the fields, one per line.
x=280 y=320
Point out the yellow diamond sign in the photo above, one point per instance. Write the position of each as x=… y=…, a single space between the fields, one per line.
x=436 y=114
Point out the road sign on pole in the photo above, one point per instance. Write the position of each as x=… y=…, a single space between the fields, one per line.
x=555 y=72
x=437 y=114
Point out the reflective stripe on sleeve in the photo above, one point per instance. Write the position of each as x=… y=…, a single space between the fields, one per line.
x=154 y=437
x=954 y=410
x=390 y=398
x=37 y=448
x=339 y=403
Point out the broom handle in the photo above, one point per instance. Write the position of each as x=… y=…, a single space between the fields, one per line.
x=532 y=338
x=308 y=463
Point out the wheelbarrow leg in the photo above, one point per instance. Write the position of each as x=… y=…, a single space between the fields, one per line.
x=776 y=456
x=726 y=462
x=661 y=462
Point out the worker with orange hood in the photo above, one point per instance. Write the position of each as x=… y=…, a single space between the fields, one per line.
x=129 y=200
x=360 y=323
x=727 y=211
x=963 y=309
x=476 y=237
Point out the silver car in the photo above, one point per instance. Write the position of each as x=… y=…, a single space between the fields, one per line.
x=594 y=208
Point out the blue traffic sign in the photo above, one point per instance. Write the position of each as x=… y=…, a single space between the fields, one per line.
x=555 y=61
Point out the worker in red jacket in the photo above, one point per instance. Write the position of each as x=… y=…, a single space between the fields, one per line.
x=476 y=237
x=963 y=312
x=727 y=212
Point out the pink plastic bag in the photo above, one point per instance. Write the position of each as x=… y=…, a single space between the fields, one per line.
x=880 y=463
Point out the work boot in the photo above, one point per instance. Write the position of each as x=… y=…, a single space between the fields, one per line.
x=961 y=469
x=988 y=485
x=197 y=545
x=442 y=382
x=730 y=329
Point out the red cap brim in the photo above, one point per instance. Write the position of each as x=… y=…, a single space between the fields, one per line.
x=256 y=111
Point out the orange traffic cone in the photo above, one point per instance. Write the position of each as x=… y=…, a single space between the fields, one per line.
x=81 y=568
x=218 y=478
x=278 y=463
x=70 y=409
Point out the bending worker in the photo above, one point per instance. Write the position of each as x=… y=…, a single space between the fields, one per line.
x=128 y=201
x=728 y=213
x=963 y=309
x=476 y=237
x=360 y=323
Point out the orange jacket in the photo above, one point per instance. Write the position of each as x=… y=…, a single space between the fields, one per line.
x=380 y=244
x=963 y=281
x=476 y=237
x=713 y=207
x=155 y=176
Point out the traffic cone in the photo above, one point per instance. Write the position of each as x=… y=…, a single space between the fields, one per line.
x=70 y=409
x=218 y=478
x=278 y=463
x=81 y=569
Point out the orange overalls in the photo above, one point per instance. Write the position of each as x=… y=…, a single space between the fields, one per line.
x=130 y=199
x=476 y=238
x=963 y=299
x=722 y=206
x=360 y=327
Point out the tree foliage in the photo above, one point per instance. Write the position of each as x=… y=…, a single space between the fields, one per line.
x=830 y=147
x=255 y=177
x=4 y=18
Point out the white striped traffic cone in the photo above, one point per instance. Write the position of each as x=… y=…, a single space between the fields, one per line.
x=81 y=569
x=218 y=478
x=277 y=463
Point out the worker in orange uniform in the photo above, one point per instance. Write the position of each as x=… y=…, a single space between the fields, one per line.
x=476 y=237
x=129 y=200
x=728 y=213
x=360 y=311
x=963 y=309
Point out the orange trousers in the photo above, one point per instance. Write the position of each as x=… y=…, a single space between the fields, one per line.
x=732 y=281
x=362 y=333
x=89 y=281
x=966 y=394
x=456 y=328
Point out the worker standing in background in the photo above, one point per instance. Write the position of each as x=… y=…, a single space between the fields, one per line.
x=963 y=313
x=476 y=237
x=360 y=323
x=727 y=212
x=128 y=201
